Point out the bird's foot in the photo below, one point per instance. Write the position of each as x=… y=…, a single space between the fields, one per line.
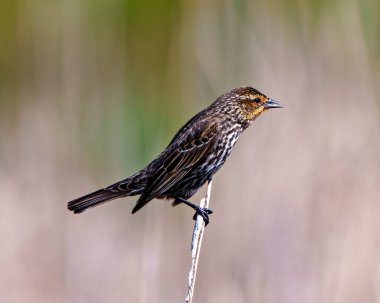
x=203 y=212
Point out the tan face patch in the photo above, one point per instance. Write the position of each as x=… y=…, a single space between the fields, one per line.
x=251 y=107
x=253 y=114
x=253 y=97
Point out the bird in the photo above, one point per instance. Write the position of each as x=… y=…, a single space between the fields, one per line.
x=196 y=152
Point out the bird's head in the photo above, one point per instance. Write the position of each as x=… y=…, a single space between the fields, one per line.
x=246 y=104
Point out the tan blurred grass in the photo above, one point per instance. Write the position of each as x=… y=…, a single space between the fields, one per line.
x=95 y=91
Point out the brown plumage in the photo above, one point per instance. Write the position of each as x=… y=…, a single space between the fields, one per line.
x=193 y=156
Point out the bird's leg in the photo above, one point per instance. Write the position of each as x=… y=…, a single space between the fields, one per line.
x=203 y=212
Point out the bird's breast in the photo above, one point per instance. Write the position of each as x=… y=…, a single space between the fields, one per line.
x=224 y=145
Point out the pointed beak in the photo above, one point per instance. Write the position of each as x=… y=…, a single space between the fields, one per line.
x=270 y=103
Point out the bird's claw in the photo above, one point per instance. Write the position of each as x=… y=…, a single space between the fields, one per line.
x=203 y=212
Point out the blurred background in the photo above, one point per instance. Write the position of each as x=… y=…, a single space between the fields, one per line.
x=91 y=91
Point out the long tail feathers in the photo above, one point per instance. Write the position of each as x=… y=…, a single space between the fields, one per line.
x=91 y=200
x=134 y=185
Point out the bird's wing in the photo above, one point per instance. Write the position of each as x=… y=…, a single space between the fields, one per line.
x=179 y=159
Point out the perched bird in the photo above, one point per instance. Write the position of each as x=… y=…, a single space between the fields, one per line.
x=193 y=156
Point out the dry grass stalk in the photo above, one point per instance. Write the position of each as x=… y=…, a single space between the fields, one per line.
x=196 y=243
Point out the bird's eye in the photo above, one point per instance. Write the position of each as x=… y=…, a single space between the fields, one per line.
x=257 y=100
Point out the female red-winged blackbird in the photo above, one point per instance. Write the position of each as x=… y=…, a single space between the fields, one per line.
x=193 y=156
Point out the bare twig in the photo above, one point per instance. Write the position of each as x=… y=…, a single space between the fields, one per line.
x=196 y=243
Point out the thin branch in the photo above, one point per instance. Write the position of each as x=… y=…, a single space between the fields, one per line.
x=196 y=243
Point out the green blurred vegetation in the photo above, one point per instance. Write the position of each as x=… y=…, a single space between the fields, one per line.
x=134 y=51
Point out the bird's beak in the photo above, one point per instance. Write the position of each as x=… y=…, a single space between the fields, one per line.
x=270 y=103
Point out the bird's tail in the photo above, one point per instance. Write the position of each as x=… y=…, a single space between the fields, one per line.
x=91 y=200
x=134 y=185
